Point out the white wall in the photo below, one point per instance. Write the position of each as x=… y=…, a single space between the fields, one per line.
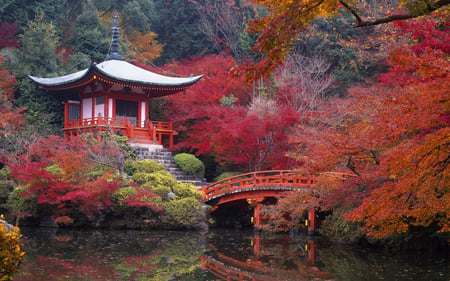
x=87 y=108
x=110 y=108
x=143 y=117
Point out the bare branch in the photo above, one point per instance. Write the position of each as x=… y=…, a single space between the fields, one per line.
x=360 y=22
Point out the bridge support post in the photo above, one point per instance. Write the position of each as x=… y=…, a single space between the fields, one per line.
x=312 y=222
x=257 y=212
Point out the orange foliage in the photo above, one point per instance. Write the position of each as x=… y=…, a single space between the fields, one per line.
x=394 y=136
x=145 y=45
x=10 y=118
x=11 y=253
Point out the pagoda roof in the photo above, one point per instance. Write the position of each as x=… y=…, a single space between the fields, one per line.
x=118 y=71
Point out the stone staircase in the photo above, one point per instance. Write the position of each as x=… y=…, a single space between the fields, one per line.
x=163 y=156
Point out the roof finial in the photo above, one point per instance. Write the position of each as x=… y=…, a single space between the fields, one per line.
x=114 y=51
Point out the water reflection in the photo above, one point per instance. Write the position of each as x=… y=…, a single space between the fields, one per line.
x=218 y=255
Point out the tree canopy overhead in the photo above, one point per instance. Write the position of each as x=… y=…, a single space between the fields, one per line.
x=287 y=18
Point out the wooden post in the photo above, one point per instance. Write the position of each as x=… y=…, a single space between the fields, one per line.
x=257 y=211
x=257 y=216
x=66 y=114
x=171 y=140
x=311 y=222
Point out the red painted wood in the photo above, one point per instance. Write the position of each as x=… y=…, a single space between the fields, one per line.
x=233 y=186
x=312 y=221
x=153 y=132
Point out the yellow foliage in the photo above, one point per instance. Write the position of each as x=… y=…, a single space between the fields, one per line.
x=11 y=253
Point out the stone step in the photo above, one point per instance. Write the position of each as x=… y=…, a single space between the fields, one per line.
x=163 y=156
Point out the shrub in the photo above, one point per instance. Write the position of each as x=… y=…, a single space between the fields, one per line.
x=11 y=253
x=21 y=206
x=142 y=166
x=338 y=229
x=123 y=193
x=160 y=178
x=185 y=190
x=55 y=170
x=161 y=191
x=6 y=187
x=226 y=175
x=183 y=213
x=190 y=164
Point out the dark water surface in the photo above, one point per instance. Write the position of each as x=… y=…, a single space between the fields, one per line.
x=217 y=255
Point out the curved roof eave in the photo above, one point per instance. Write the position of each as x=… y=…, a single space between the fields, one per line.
x=120 y=71
x=62 y=80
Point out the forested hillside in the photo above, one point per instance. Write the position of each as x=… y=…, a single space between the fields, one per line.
x=353 y=87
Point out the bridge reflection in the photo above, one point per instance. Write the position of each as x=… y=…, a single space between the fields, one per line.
x=263 y=263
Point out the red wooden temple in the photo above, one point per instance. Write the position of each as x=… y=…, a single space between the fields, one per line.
x=115 y=95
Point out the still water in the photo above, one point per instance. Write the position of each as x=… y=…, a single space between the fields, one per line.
x=216 y=255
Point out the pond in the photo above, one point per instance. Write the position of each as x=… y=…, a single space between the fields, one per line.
x=217 y=255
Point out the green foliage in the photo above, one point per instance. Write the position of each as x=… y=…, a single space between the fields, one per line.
x=184 y=213
x=6 y=186
x=190 y=164
x=161 y=191
x=39 y=56
x=158 y=178
x=129 y=167
x=89 y=36
x=39 y=43
x=55 y=169
x=123 y=193
x=185 y=190
x=338 y=229
x=226 y=175
x=11 y=253
x=124 y=147
x=142 y=166
x=21 y=206
x=178 y=30
x=228 y=101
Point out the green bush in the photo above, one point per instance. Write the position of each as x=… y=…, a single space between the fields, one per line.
x=142 y=166
x=338 y=229
x=190 y=164
x=160 y=178
x=20 y=205
x=161 y=191
x=186 y=190
x=6 y=187
x=226 y=175
x=183 y=213
x=55 y=170
x=123 y=193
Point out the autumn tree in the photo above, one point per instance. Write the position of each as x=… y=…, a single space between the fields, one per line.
x=286 y=19
x=416 y=159
x=399 y=162
x=65 y=178
x=11 y=118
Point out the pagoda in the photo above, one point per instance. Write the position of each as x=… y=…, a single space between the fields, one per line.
x=114 y=96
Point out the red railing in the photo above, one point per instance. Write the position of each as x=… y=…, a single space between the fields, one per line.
x=161 y=125
x=152 y=131
x=96 y=121
x=284 y=178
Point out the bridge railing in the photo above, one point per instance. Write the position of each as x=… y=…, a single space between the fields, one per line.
x=285 y=178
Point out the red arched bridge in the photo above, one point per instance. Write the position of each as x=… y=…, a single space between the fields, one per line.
x=255 y=188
